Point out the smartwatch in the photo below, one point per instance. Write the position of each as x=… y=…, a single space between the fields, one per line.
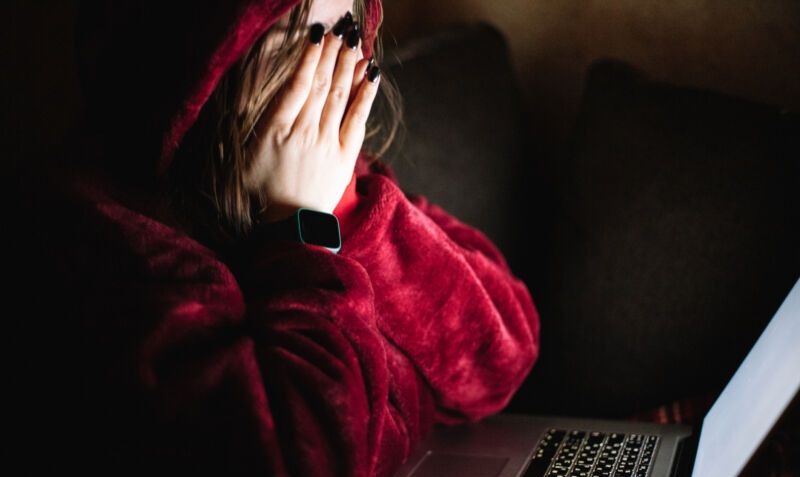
x=308 y=226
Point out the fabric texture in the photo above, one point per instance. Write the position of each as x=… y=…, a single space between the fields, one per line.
x=162 y=358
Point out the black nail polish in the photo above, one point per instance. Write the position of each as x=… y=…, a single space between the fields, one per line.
x=373 y=74
x=342 y=25
x=316 y=33
x=354 y=36
x=371 y=62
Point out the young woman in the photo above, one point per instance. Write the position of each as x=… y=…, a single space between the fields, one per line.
x=235 y=285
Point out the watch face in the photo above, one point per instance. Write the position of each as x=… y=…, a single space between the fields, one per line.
x=319 y=228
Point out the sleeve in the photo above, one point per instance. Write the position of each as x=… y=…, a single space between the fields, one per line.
x=445 y=297
x=416 y=321
x=340 y=396
x=302 y=362
x=186 y=368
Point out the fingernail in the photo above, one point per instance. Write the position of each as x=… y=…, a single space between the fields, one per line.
x=354 y=36
x=342 y=25
x=373 y=74
x=369 y=65
x=316 y=33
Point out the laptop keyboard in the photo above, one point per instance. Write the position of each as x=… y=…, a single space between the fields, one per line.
x=576 y=453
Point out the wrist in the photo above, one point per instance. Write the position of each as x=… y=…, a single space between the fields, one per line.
x=275 y=213
x=307 y=226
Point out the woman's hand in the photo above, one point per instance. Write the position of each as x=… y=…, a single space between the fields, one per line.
x=307 y=142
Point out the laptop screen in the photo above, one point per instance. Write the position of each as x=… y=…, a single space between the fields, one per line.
x=755 y=398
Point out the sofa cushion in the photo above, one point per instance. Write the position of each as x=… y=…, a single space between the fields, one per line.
x=671 y=240
x=463 y=138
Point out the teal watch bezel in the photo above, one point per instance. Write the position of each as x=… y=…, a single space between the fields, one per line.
x=315 y=228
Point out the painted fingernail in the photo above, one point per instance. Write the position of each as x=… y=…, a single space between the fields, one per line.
x=373 y=74
x=369 y=65
x=354 y=36
x=316 y=33
x=342 y=25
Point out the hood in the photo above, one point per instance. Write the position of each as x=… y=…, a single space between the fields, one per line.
x=146 y=69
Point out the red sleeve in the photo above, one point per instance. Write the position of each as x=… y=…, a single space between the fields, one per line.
x=346 y=207
x=298 y=361
x=446 y=297
x=405 y=327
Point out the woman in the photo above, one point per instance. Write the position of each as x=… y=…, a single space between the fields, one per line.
x=200 y=323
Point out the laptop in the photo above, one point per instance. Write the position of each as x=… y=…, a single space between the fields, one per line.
x=521 y=445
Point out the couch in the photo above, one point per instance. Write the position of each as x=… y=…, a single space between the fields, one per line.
x=656 y=242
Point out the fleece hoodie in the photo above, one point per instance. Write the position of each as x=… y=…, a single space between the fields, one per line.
x=148 y=354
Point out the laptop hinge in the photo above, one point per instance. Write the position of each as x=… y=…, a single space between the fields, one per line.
x=685 y=455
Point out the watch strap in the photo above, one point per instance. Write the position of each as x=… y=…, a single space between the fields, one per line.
x=307 y=226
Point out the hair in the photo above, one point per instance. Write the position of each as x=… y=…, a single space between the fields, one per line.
x=207 y=175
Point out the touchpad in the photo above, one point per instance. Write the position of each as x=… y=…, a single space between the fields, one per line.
x=441 y=464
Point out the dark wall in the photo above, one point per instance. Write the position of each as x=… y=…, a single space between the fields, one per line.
x=39 y=83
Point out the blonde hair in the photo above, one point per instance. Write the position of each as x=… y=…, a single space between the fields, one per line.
x=207 y=175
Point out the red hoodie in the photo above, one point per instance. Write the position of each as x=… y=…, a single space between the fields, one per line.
x=302 y=362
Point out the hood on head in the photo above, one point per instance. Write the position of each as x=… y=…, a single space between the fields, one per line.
x=147 y=67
